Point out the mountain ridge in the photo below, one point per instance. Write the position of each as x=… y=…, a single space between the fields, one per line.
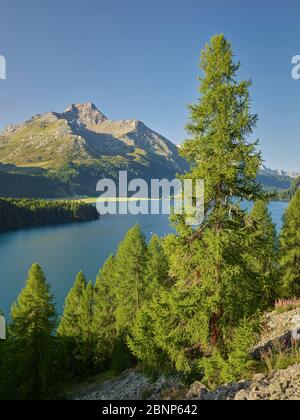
x=67 y=153
x=81 y=145
x=279 y=172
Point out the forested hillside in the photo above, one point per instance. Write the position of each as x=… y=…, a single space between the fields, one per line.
x=274 y=182
x=18 y=213
x=20 y=185
x=288 y=193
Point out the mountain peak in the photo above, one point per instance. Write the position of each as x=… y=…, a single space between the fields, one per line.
x=86 y=114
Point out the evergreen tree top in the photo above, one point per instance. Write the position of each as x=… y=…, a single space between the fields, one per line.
x=105 y=275
x=34 y=309
x=219 y=126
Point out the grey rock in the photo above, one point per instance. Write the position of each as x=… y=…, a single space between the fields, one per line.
x=242 y=395
x=197 y=390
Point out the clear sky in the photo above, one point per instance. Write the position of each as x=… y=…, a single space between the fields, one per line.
x=137 y=59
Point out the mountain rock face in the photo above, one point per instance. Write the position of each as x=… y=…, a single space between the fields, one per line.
x=81 y=145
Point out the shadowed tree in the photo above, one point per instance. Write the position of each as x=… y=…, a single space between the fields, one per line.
x=264 y=244
x=290 y=249
x=130 y=277
x=104 y=312
x=28 y=370
x=75 y=330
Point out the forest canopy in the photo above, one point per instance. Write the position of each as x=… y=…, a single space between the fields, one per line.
x=19 y=213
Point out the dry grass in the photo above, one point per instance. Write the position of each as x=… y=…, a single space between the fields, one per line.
x=279 y=358
x=285 y=305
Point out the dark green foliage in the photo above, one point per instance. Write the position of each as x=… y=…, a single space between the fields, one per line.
x=237 y=363
x=18 y=213
x=76 y=332
x=130 y=278
x=157 y=270
x=214 y=281
x=264 y=244
x=28 y=367
x=86 y=325
x=144 y=340
x=290 y=249
x=18 y=185
x=104 y=313
x=122 y=358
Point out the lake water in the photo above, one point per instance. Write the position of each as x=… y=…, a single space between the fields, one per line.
x=64 y=250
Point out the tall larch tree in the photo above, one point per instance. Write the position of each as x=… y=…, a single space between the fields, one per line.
x=104 y=312
x=28 y=368
x=290 y=249
x=157 y=270
x=141 y=340
x=75 y=330
x=262 y=252
x=130 y=278
x=88 y=342
x=68 y=326
x=214 y=283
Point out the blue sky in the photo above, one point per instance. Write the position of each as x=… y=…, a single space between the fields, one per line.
x=138 y=59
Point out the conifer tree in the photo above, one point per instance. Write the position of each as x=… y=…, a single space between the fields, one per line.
x=28 y=369
x=216 y=273
x=263 y=253
x=87 y=343
x=235 y=363
x=142 y=339
x=104 y=312
x=290 y=249
x=68 y=326
x=75 y=330
x=214 y=283
x=157 y=271
x=130 y=278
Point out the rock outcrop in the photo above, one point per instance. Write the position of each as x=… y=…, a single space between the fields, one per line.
x=280 y=385
x=131 y=385
x=278 y=331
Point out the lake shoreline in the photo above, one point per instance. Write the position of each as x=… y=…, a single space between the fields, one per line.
x=65 y=249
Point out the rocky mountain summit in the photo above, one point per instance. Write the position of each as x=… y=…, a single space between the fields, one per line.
x=81 y=133
x=81 y=145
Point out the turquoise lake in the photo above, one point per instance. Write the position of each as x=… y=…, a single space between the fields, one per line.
x=64 y=250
